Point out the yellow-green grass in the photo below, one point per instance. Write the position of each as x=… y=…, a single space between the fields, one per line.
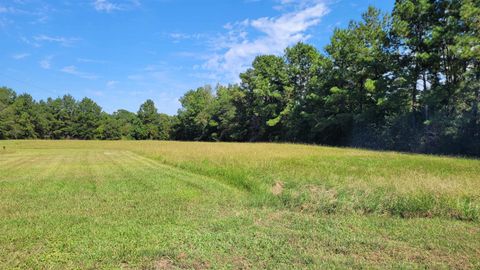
x=148 y=204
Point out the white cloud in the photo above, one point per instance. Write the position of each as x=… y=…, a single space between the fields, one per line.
x=297 y=4
x=12 y=10
x=88 y=60
x=111 y=84
x=73 y=71
x=236 y=50
x=37 y=13
x=29 y=42
x=20 y=56
x=105 y=6
x=109 y=6
x=179 y=36
x=45 y=63
x=60 y=40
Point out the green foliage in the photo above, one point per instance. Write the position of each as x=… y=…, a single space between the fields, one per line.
x=65 y=118
x=266 y=95
x=195 y=115
x=87 y=119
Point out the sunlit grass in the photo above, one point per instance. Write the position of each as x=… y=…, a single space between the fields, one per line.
x=335 y=179
x=81 y=204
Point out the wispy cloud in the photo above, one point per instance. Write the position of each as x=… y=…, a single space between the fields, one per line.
x=29 y=41
x=179 y=36
x=10 y=9
x=63 y=41
x=88 y=60
x=3 y=9
x=73 y=71
x=236 y=49
x=5 y=19
x=45 y=63
x=105 y=6
x=111 y=84
x=298 y=4
x=110 y=6
x=20 y=56
x=38 y=13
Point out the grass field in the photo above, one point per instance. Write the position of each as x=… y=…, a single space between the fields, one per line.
x=168 y=205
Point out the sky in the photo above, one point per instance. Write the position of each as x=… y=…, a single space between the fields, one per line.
x=123 y=52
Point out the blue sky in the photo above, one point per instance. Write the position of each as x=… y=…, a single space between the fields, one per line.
x=122 y=52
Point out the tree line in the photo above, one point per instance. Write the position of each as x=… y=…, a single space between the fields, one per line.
x=407 y=81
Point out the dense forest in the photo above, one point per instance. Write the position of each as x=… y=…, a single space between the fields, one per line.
x=407 y=81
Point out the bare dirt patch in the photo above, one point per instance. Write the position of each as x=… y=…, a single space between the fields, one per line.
x=277 y=188
x=163 y=263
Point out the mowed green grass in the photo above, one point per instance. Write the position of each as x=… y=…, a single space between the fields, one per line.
x=167 y=205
